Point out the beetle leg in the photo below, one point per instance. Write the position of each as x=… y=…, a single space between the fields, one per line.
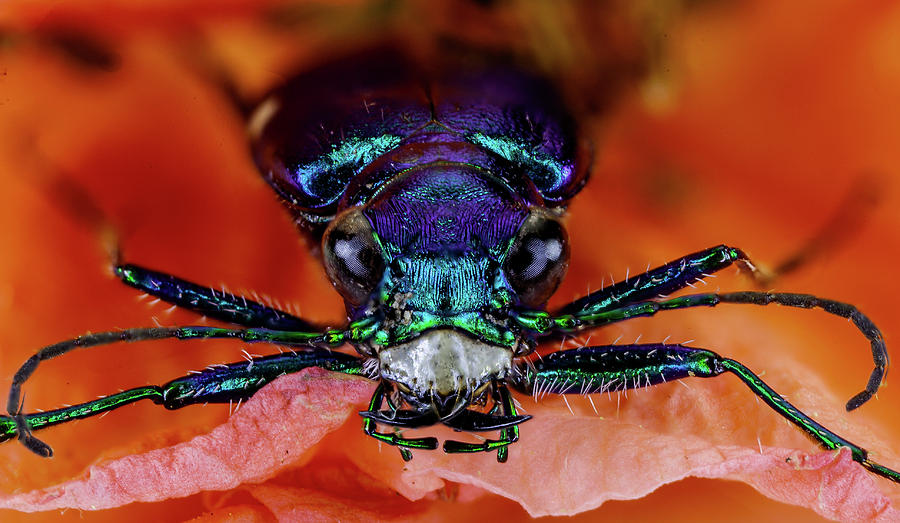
x=405 y=418
x=662 y=281
x=287 y=338
x=207 y=301
x=403 y=444
x=606 y=368
x=475 y=421
x=583 y=320
x=508 y=435
x=220 y=305
x=217 y=384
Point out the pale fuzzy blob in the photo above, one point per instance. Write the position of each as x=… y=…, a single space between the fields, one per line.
x=445 y=361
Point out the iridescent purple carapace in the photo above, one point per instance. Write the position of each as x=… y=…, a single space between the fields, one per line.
x=329 y=139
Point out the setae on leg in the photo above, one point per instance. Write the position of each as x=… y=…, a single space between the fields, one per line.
x=216 y=384
x=661 y=281
x=546 y=325
x=207 y=301
x=14 y=406
x=600 y=369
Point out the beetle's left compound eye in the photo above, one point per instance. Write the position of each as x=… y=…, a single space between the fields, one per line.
x=538 y=258
x=353 y=258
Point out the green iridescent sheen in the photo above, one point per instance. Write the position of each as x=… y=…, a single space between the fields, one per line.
x=240 y=380
x=212 y=303
x=589 y=370
x=603 y=369
x=652 y=284
x=817 y=432
x=473 y=322
x=820 y=434
x=538 y=321
x=881 y=470
x=359 y=331
x=42 y=420
x=508 y=436
x=512 y=149
x=258 y=335
x=349 y=155
x=448 y=284
x=129 y=277
x=542 y=322
x=213 y=385
x=369 y=427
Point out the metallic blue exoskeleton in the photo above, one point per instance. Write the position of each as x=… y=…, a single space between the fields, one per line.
x=436 y=196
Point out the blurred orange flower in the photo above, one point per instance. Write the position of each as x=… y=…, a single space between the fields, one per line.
x=761 y=118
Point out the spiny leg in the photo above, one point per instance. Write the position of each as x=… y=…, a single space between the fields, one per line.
x=207 y=301
x=215 y=384
x=601 y=369
x=546 y=325
x=355 y=332
x=508 y=435
x=629 y=299
x=395 y=439
x=70 y=195
x=661 y=281
x=24 y=424
x=678 y=274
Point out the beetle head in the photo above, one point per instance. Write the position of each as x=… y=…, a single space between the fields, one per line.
x=439 y=255
x=444 y=240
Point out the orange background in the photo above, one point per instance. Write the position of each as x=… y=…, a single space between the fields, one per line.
x=752 y=127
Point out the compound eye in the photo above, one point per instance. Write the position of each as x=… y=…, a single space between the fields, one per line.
x=353 y=258
x=538 y=259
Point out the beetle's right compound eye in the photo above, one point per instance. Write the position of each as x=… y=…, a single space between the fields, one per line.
x=538 y=258
x=353 y=258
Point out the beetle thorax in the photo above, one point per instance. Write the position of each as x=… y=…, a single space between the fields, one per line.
x=444 y=362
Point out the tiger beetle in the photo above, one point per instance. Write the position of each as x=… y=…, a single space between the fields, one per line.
x=437 y=198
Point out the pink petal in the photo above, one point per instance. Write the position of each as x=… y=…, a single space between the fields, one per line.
x=270 y=431
x=583 y=460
